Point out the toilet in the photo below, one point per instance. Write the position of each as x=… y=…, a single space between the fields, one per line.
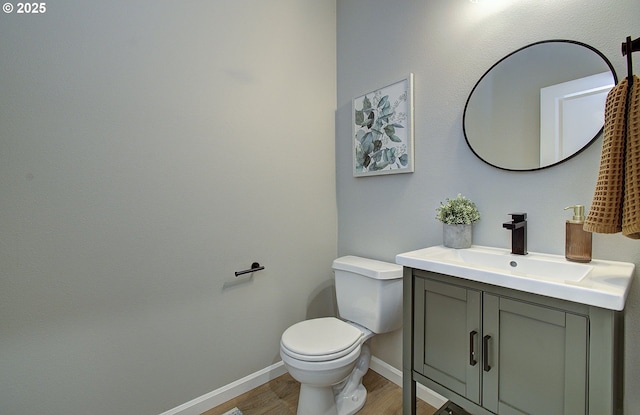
x=329 y=356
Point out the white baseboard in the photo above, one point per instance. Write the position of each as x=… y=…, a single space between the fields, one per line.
x=394 y=375
x=228 y=392
x=247 y=383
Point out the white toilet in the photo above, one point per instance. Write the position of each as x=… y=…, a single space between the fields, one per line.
x=329 y=356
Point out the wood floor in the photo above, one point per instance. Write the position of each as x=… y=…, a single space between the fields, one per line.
x=280 y=397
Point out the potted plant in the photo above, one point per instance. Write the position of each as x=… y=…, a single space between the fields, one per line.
x=458 y=216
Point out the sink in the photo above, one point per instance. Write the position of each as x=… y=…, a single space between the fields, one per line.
x=599 y=283
x=532 y=265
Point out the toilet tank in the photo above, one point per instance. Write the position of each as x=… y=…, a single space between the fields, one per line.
x=369 y=292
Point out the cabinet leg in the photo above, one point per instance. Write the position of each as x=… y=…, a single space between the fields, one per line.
x=408 y=396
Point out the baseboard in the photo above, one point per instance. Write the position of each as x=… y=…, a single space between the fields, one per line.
x=228 y=392
x=252 y=381
x=394 y=375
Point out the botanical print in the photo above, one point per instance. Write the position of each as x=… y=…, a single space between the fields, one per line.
x=383 y=136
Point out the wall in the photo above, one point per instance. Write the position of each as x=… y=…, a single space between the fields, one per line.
x=147 y=151
x=448 y=45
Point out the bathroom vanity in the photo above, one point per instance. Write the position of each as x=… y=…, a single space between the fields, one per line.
x=497 y=333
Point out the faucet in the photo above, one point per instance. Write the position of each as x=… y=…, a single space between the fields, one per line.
x=518 y=228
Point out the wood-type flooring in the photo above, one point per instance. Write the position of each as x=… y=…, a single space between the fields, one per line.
x=280 y=397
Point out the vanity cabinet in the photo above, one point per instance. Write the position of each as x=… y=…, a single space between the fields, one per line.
x=493 y=350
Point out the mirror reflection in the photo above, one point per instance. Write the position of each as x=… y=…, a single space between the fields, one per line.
x=539 y=105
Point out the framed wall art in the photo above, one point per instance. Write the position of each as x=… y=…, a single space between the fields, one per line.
x=383 y=130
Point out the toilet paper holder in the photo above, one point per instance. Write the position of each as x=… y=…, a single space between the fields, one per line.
x=254 y=267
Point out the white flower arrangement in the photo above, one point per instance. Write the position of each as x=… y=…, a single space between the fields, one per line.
x=458 y=211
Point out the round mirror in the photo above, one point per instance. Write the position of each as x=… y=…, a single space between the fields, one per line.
x=539 y=105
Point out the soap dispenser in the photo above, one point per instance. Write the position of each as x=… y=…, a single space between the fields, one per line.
x=578 y=241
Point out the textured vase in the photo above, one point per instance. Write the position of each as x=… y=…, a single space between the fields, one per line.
x=457 y=236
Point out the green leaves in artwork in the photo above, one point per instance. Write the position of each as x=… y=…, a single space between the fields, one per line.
x=390 y=131
x=362 y=121
x=377 y=123
x=366 y=104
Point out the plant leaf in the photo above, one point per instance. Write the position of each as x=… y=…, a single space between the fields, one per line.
x=367 y=143
x=366 y=104
x=389 y=130
x=369 y=121
x=382 y=165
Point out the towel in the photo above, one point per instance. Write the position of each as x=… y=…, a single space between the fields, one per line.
x=631 y=202
x=616 y=200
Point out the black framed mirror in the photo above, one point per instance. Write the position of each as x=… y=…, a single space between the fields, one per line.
x=539 y=105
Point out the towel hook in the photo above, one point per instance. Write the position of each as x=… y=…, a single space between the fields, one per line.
x=628 y=48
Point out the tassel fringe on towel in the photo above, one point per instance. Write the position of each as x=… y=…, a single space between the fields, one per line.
x=616 y=200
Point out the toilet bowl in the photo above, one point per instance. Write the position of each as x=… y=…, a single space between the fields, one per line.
x=329 y=356
x=323 y=355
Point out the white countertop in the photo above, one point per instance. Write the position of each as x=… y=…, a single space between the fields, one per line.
x=598 y=283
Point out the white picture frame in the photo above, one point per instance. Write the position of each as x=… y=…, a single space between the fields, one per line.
x=382 y=140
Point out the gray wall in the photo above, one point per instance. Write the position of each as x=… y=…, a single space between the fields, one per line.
x=448 y=45
x=147 y=151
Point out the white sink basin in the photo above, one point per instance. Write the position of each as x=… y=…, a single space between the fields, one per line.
x=502 y=261
x=599 y=283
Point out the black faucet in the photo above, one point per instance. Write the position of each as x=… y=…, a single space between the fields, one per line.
x=518 y=228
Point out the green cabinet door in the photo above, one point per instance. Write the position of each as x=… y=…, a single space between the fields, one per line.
x=447 y=322
x=536 y=359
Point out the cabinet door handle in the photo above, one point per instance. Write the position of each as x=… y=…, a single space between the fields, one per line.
x=472 y=352
x=485 y=353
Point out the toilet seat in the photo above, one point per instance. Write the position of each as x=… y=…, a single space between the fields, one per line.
x=321 y=339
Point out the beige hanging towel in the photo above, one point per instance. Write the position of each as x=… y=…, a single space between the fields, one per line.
x=616 y=200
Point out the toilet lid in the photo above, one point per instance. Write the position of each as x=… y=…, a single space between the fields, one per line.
x=321 y=339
